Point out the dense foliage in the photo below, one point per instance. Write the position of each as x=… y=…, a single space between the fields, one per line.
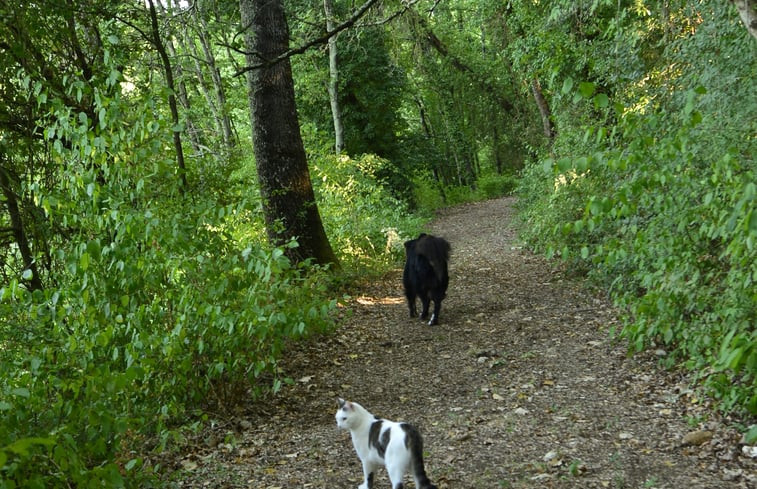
x=651 y=184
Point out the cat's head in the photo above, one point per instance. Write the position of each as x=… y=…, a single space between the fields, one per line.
x=349 y=415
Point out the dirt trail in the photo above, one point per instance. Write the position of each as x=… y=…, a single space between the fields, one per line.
x=519 y=386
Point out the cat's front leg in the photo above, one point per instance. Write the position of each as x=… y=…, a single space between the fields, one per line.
x=369 y=471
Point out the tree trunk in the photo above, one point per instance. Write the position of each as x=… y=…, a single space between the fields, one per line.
x=336 y=112
x=194 y=138
x=189 y=45
x=17 y=226
x=158 y=43
x=220 y=93
x=289 y=205
x=748 y=13
x=541 y=102
x=498 y=163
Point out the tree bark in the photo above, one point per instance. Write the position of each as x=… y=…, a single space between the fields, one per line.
x=192 y=132
x=17 y=226
x=289 y=205
x=215 y=75
x=158 y=43
x=748 y=13
x=333 y=86
x=546 y=118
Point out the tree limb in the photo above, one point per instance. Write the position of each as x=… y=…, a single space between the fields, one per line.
x=459 y=65
x=314 y=42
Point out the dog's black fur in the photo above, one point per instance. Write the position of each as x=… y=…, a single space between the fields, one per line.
x=425 y=274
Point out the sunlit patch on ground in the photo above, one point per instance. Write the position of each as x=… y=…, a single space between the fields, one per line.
x=375 y=301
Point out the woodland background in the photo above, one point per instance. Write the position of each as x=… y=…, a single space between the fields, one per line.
x=145 y=278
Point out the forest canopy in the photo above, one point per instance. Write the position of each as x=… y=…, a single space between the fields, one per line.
x=143 y=281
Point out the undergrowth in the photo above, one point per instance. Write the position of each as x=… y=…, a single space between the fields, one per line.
x=657 y=202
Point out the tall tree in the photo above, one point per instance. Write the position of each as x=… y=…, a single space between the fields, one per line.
x=160 y=47
x=333 y=85
x=289 y=203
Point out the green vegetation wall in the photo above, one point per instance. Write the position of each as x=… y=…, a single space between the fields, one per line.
x=651 y=183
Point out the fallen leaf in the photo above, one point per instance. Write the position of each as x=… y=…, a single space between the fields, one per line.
x=699 y=437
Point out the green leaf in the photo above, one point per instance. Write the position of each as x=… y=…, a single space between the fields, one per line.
x=750 y=437
x=84 y=261
x=752 y=219
x=601 y=101
x=21 y=392
x=93 y=248
x=567 y=86
x=21 y=446
x=586 y=89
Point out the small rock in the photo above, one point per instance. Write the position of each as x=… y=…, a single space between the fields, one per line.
x=625 y=436
x=550 y=455
x=521 y=411
x=541 y=477
x=245 y=425
x=732 y=475
x=699 y=437
x=750 y=452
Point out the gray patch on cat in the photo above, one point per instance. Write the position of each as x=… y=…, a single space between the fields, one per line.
x=378 y=440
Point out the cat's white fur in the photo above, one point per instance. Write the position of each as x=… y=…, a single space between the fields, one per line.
x=398 y=454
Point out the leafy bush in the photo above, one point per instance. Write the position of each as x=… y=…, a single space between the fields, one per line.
x=669 y=227
x=366 y=225
x=429 y=196
x=658 y=202
x=142 y=329
x=158 y=304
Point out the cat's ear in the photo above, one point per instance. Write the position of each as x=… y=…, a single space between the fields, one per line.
x=341 y=402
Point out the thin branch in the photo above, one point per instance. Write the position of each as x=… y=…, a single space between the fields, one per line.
x=301 y=49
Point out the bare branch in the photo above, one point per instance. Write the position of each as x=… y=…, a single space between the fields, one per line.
x=320 y=40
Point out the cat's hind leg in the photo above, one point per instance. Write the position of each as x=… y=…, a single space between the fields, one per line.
x=369 y=472
x=396 y=473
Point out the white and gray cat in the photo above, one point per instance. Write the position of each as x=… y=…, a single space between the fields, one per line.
x=397 y=446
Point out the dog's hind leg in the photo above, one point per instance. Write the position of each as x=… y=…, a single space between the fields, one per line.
x=437 y=309
x=411 y=304
x=426 y=302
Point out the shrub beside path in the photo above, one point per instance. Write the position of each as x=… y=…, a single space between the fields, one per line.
x=519 y=386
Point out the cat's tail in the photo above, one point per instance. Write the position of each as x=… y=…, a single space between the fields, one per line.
x=415 y=445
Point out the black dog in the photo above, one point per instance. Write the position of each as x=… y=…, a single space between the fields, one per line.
x=425 y=274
